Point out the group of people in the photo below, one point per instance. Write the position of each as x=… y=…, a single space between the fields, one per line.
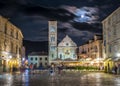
x=31 y=67
x=116 y=69
x=53 y=69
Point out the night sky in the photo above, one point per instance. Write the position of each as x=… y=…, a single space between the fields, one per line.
x=80 y=19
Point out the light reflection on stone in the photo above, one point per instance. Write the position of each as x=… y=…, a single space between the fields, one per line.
x=66 y=79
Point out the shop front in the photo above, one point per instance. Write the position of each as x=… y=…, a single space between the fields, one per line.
x=108 y=65
x=13 y=64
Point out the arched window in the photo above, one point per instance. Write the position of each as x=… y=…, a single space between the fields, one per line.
x=95 y=48
x=52 y=55
x=11 y=47
x=60 y=56
x=19 y=51
x=5 y=30
x=67 y=44
x=16 y=48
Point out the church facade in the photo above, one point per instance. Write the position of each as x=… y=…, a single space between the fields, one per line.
x=67 y=49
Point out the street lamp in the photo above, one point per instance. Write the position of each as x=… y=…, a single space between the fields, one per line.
x=118 y=54
x=10 y=56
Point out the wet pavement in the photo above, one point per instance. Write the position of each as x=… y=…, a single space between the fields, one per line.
x=65 y=79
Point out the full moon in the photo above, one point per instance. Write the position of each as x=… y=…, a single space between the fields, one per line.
x=82 y=16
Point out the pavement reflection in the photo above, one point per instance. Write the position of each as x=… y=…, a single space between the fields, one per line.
x=65 y=79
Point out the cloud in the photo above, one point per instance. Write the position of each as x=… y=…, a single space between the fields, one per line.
x=87 y=27
x=84 y=14
x=71 y=9
x=87 y=14
x=50 y=13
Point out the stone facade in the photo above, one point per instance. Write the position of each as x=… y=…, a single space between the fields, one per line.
x=111 y=38
x=91 y=51
x=52 y=40
x=38 y=58
x=11 y=45
x=67 y=49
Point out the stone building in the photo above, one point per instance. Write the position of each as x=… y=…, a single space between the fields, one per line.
x=52 y=39
x=91 y=52
x=67 y=49
x=66 y=52
x=38 y=58
x=111 y=39
x=11 y=39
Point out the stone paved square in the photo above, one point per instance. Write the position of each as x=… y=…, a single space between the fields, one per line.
x=65 y=79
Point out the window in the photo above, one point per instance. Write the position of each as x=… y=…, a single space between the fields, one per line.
x=74 y=56
x=19 y=50
x=5 y=44
x=52 y=39
x=67 y=52
x=110 y=49
x=36 y=58
x=46 y=58
x=5 y=28
x=16 y=35
x=52 y=55
x=11 y=33
x=46 y=64
x=40 y=64
x=104 y=42
x=67 y=44
x=0 y=63
x=16 y=49
x=31 y=58
x=95 y=48
x=114 y=31
x=88 y=49
x=11 y=46
x=52 y=48
x=40 y=58
x=60 y=56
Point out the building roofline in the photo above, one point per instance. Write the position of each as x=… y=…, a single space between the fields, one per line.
x=7 y=19
x=111 y=14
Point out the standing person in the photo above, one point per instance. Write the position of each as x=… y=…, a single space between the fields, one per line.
x=118 y=68
x=59 y=69
x=52 y=70
x=22 y=69
x=115 y=69
x=34 y=67
x=31 y=67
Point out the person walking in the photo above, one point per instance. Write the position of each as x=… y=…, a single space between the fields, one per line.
x=115 y=69
x=31 y=67
x=52 y=70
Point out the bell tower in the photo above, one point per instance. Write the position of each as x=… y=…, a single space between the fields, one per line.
x=52 y=40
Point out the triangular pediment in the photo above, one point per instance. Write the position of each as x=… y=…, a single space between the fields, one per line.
x=67 y=41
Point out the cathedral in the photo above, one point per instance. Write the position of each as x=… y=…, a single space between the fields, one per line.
x=64 y=51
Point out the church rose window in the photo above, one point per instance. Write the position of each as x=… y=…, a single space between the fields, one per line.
x=67 y=44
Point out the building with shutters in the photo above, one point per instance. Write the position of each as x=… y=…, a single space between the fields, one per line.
x=111 y=40
x=11 y=43
x=39 y=58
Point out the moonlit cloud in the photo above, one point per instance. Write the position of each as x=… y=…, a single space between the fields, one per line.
x=71 y=9
x=84 y=14
x=87 y=14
